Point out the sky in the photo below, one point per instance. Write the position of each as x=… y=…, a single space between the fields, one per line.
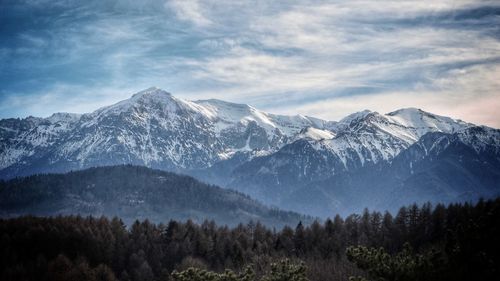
x=319 y=58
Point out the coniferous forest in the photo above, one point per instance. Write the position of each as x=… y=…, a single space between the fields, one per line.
x=454 y=242
x=135 y=192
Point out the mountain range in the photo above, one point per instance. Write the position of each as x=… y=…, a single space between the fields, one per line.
x=299 y=163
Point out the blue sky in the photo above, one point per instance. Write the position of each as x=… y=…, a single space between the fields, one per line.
x=319 y=58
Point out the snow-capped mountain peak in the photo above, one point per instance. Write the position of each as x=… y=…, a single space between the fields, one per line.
x=422 y=122
x=407 y=124
x=370 y=137
x=345 y=122
x=355 y=116
x=157 y=129
x=63 y=117
x=152 y=91
x=417 y=118
x=227 y=113
x=149 y=96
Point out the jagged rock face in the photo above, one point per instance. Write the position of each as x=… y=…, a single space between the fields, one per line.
x=296 y=162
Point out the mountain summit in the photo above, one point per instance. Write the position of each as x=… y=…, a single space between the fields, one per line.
x=151 y=128
x=302 y=163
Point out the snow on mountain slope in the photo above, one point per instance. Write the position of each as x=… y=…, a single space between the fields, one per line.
x=315 y=134
x=152 y=99
x=481 y=139
x=370 y=137
x=151 y=128
x=408 y=124
x=373 y=158
x=352 y=118
x=278 y=159
x=420 y=122
x=227 y=114
x=156 y=129
x=63 y=117
x=360 y=141
x=22 y=138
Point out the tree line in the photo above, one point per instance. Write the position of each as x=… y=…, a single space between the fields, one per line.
x=454 y=242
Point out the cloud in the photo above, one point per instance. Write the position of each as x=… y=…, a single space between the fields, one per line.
x=189 y=10
x=62 y=98
x=470 y=94
x=304 y=54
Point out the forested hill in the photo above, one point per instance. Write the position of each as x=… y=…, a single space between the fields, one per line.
x=132 y=192
x=457 y=242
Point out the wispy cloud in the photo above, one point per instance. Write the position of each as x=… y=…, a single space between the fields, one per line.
x=469 y=94
x=189 y=10
x=323 y=58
